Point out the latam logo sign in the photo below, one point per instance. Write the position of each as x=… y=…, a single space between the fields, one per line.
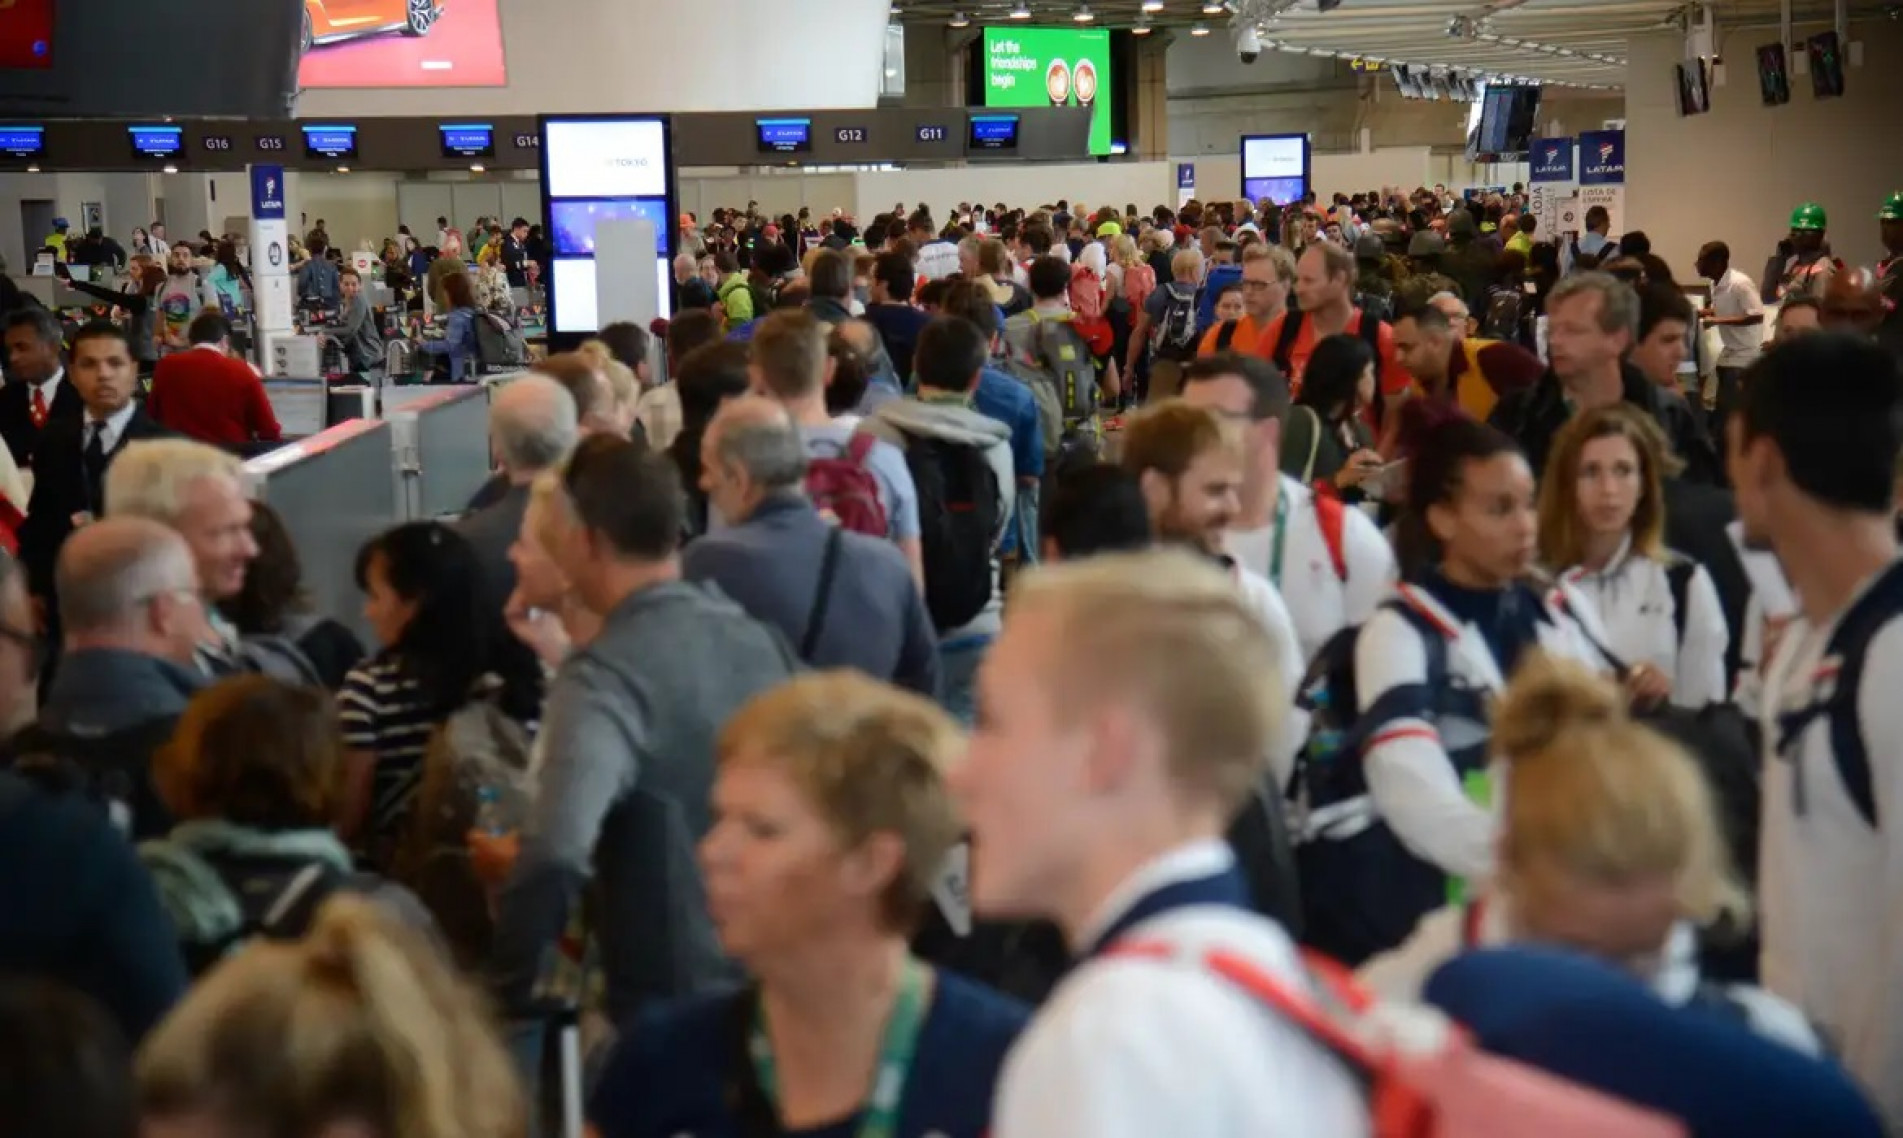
x=267 y=193
x=1602 y=158
x=1553 y=160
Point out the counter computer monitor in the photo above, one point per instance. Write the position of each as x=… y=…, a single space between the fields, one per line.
x=784 y=136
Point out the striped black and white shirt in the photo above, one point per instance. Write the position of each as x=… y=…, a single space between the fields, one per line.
x=382 y=711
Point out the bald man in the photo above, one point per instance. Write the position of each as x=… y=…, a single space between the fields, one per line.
x=1853 y=302
x=884 y=378
x=133 y=616
x=532 y=426
x=841 y=599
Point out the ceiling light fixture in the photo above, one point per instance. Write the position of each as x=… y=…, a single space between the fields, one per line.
x=1212 y=7
x=960 y=20
x=1021 y=12
x=1083 y=14
x=1152 y=5
x=1142 y=27
x=1199 y=30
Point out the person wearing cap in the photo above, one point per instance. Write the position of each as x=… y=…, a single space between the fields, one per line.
x=1890 y=268
x=56 y=240
x=1806 y=265
x=1374 y=288
x=1469 y=261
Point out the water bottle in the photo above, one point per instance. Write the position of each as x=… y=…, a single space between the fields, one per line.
x=489 y=813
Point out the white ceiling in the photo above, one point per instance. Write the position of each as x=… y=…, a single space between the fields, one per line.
x=1553 y=41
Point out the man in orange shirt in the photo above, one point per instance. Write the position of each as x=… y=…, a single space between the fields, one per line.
x=1268 y=272
x=1324 y=286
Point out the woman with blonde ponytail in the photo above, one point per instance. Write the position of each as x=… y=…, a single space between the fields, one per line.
x=1608 y=844
x=357 y=1031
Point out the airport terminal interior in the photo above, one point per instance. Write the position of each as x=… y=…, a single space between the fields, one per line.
x=951 y=568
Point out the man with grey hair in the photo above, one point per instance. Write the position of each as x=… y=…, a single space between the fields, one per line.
x=532 y=426
x=133 y=616
x=1592 y=324
x=841 y=599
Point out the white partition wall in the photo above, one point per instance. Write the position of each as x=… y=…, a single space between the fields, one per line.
x=1144 y=184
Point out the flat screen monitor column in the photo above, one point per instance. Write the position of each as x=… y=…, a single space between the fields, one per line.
x=602 y=168
x=1276 y=167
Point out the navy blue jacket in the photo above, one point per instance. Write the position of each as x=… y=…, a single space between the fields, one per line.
x=80 y=909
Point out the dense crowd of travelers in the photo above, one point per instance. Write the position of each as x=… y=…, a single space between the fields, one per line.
x=1237 y=670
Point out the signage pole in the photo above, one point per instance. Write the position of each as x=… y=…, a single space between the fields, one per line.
x=270 y=261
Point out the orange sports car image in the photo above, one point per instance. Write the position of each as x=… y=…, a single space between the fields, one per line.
x=402 y=43
x=328 y=21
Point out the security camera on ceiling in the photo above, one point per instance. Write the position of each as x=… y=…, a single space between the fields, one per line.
x=1248 y=44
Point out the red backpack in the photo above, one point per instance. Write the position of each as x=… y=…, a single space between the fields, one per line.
x=845 y=491
x=1422 y=1089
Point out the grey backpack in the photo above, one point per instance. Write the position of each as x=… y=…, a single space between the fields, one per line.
x=1062 y=378
x=499 y=344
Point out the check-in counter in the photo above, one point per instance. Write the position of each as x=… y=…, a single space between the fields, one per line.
x=441 y=441
x=334 y=491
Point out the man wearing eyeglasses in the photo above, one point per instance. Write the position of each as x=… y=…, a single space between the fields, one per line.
x=1268 y=273
x=133 y=618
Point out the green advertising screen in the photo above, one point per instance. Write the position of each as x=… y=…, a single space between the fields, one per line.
x=1051 y=67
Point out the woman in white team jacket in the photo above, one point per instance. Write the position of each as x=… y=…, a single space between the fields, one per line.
x=1608 y=844
x=1602 y=524
x=1401 y=814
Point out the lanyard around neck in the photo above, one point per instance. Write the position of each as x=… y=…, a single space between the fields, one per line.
x=1279 y=537
x=880 y=1119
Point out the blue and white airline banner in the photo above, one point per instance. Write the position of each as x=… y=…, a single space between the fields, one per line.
x=1602 y=174
x=1551 y=190
x=270 y=255
x=1552 y=160
x=1185 y=182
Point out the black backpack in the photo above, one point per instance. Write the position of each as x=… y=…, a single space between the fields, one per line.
x=1175 y=336
x=278 y=898
x=959 y=516
x=114 y=770
x=1369 y=330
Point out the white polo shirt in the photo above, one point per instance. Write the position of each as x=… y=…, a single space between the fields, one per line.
x=1269 y=608
x=1830 y=883
x=1138 y=1048
x=1319 y=602
x=1734 y=294
x=1633 y=597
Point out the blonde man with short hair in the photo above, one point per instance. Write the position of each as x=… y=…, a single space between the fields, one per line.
x=1125 y=724
x=197 y=490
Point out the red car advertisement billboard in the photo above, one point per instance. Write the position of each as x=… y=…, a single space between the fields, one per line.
x=401 y=43
x=26 y=33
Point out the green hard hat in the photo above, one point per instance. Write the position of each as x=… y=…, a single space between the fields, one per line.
x=1892 y=208
x=1810 y=215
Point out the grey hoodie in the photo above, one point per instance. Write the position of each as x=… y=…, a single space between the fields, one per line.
x=954 y=421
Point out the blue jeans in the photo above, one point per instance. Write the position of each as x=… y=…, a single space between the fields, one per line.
x=958 y=676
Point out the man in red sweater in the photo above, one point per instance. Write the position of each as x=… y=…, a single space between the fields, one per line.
x=207 y=393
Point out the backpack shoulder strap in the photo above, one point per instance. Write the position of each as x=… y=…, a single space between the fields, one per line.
x=859 y=447
x=1849 y=645
x=1370 y=331
x=1314 y=442
x=1285 y=342
x=822 y=596
x=290 y=913
x=1679 y=571
x=1301 y=1010
x=1225 y=335
x=1332 y=517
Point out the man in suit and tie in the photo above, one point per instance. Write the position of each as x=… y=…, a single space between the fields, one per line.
x=36 y=391
x=69 y=482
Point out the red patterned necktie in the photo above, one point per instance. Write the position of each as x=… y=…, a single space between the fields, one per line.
x=39 y=408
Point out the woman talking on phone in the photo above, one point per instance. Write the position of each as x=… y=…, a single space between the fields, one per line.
x=831 y=820
x=1327 y=442
x=1602 y=525
x=1402 y=818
